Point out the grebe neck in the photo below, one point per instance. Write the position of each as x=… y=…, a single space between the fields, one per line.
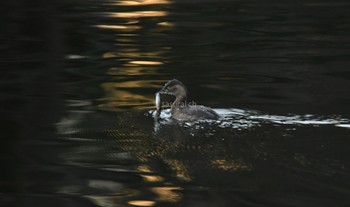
x=179 y=101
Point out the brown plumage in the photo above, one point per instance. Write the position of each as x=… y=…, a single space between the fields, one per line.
x=182 y=110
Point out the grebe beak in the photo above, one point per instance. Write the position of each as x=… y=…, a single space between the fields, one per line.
x=165 y=91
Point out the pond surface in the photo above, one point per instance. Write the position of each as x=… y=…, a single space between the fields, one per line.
x=78 y=83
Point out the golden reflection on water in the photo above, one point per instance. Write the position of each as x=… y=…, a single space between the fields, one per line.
x=137 y=14
x=152 y=178
x=145 y=62
x=149 y=177
x=140 y=2
x=119 y=27
x=141 y=203
x=168 y=193
x=166 y=24
x=117 y=95
x=164 y=193
x=134 y=55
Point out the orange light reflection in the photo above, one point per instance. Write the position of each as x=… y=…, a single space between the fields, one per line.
x=166 y=24
x=168 y=193
x=132 y=53
x=145 y=62
x=141 y=203
x=118 y=96
x=119 y=27
x=140 y=2
x=137 y=14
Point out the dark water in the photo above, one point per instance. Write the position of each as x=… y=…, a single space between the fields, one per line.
x=77 y=97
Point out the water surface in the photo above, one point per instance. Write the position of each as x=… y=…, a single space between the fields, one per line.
x=77 y=100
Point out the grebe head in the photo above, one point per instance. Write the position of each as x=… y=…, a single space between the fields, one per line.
x=175 y=88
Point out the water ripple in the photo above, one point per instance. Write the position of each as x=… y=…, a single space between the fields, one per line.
x=244 y=119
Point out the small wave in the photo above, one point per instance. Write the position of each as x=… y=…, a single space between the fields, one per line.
x=243 y=119
x=343 y=125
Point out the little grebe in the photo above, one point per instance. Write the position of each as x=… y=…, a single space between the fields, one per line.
x=180 y=109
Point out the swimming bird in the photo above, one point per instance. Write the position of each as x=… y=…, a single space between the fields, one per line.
x=181 y=110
